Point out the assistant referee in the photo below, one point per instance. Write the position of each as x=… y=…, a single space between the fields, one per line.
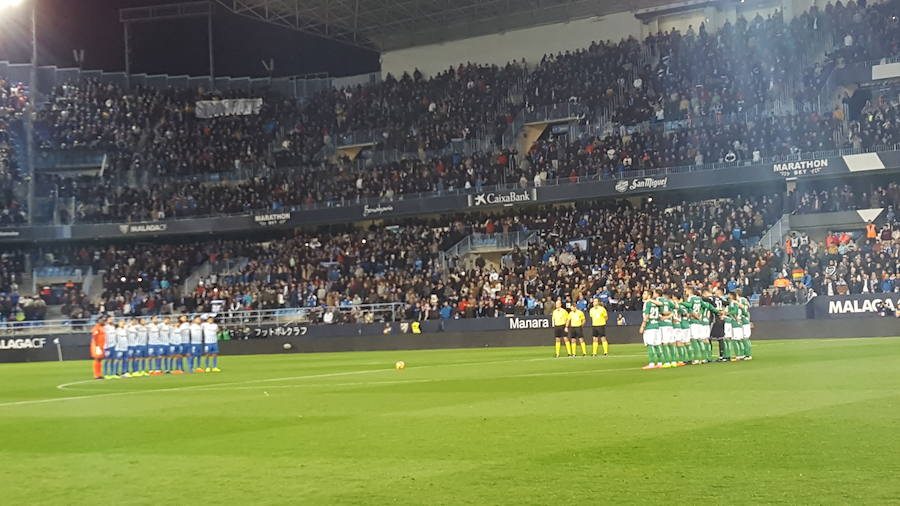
x=598 y=327
x=560 y=319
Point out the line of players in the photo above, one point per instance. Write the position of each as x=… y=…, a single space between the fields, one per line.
x=677 y=331
x=141 y=347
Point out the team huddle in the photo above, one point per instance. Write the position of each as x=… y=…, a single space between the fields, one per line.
x=141 y=347
x=678 y=331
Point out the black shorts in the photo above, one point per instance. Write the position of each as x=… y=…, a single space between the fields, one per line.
x=576 y=333
x=717 y=331
x=598 y=331
x=559 y=332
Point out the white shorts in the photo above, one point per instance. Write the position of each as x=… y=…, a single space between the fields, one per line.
x=698 y=331
x=747 y=331
x=652 y=337
x=737 y=333
x=683 y=335
x=668 y=335
x=728 y=331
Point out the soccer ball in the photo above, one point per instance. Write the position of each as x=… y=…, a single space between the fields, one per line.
x=287 y=346
x=400 y=365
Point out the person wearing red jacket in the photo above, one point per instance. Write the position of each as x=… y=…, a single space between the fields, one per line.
x=98 y=346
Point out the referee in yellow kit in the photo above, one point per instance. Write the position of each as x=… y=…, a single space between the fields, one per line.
x=598 y=327
x=560 y=320
x=576 y=330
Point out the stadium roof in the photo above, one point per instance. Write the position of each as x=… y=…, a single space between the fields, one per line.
x=384 y=25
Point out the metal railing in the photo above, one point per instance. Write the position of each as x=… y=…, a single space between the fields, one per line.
x=361 y=313
x=68 y=159
x=774 y=236
x=358 y=137
x=554 y=112
x=73 y=273
x=500 y=240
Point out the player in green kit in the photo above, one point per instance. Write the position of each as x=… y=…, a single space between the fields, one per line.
x=666 y=329
x=734 y=330
x=687 y=324
x=650 y=332
x=746 y=324
x=681 y=325
x=701 y=321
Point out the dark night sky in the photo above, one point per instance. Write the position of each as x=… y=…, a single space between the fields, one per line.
x=172 y=46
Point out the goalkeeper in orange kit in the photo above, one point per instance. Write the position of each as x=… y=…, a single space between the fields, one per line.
x=98 y=346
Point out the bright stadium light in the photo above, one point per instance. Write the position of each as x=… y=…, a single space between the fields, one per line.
x=10 y=3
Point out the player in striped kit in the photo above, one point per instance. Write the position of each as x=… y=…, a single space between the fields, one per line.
x=211 y=343
x=109 y=365
x=155 y=347
x=142 y=337
x=165 y=336
x=184 y=334
x=196 y=345
x=123 y=349
x=131 y=330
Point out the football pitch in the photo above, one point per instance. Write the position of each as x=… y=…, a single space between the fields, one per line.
x=807 y=421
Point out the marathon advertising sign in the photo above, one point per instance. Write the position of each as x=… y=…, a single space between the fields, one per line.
x=503 y=198
x=855 y=306
x=801 y=167
x=272 y=219
x=642 y=184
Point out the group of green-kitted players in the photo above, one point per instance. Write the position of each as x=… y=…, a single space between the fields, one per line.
x=679 y=331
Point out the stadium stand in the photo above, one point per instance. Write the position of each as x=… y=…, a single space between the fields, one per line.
x=12 y=103
x=743 y=95
x=613 y=249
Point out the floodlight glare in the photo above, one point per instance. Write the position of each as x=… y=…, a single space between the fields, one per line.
x=9 y=3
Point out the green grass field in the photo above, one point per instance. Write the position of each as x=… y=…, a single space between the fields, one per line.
x=805 y=422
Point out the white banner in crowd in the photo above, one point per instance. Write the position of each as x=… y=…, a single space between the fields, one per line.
x=228 y=107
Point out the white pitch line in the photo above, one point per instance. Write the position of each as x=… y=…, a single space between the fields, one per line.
x=172 y=389
x=430 y=380
x=65 y=386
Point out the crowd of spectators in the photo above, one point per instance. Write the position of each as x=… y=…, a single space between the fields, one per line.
x=415 y=112
x=843 y=263
x=609 y=250
x=155 y=131
x=847 y=197
x=720 y=86
x=12 y=104
x=549 y=158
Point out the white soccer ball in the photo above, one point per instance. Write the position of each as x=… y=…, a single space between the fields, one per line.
x=400 y=365
x=287 y=346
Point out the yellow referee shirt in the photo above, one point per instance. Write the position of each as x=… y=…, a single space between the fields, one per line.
x=560 y=317
x=598 y=316
x=576 y=318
